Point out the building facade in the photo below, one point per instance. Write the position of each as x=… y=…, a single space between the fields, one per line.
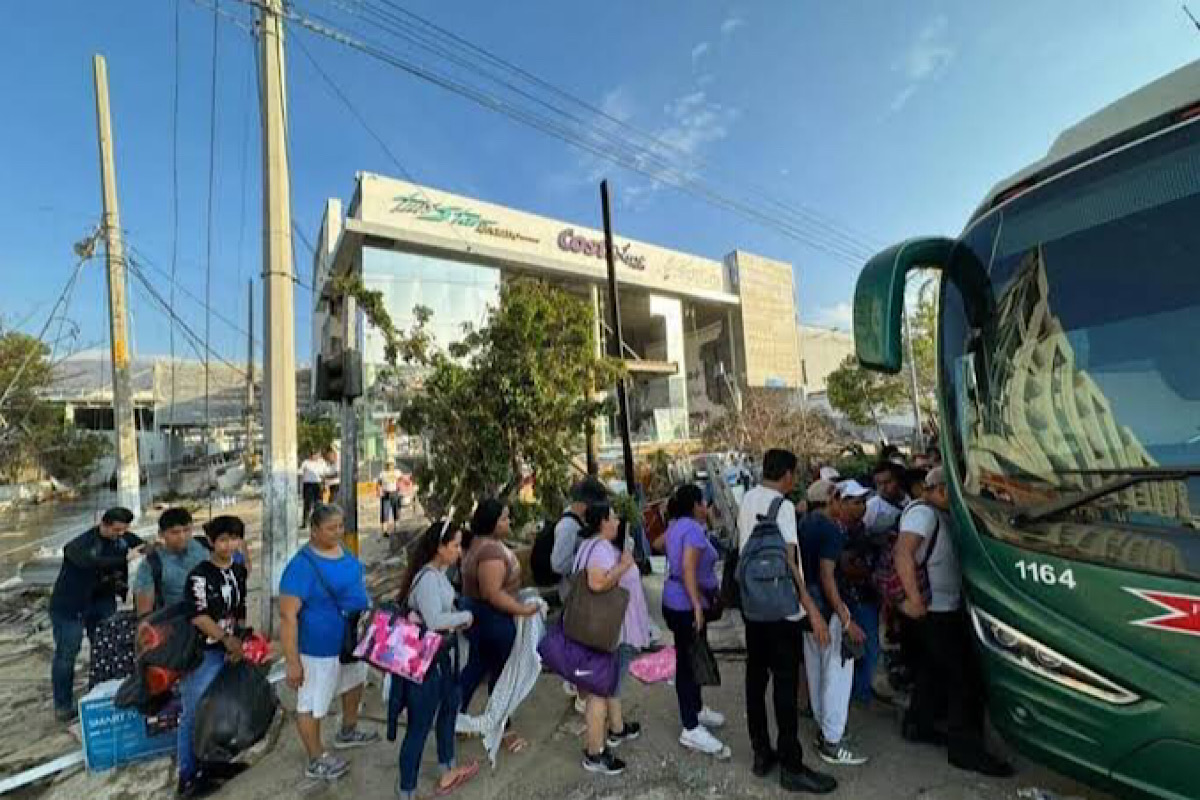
x=822 y=350
x=696 y=330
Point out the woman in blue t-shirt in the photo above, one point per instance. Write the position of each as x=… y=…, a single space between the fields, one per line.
x=690 y=591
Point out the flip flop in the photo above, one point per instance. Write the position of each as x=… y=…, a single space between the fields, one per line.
x=464 y=775
x=514 y=743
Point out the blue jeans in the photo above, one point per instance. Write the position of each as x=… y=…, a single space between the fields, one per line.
x=435 y=698
x=191 y=689
x=68 y=630
x=491 y=637
x=867 y=617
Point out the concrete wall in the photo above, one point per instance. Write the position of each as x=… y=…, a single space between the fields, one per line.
x=822 y=350
x=768 y=310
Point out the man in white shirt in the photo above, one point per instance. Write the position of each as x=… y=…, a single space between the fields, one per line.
x=773 y=648
x=312 y=473
x=889 y=500
x=947 y=667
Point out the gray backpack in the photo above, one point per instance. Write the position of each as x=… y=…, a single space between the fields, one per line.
x=767 y=587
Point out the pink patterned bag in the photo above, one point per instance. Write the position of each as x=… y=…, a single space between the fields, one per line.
x=394 y=644
x=654 y=667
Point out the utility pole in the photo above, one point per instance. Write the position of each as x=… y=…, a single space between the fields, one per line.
x=248 y=454
x=124 y=423
x=616 y=348
x=281 y=512
x=348 y=468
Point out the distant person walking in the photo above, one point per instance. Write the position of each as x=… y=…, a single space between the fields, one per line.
x=436 y=699
x=94 y=574
x=689 y=593
x=312 y=475
x=390 y=501
x=216 y=599
x=321 y=586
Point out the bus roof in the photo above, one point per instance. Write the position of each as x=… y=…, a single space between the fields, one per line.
x=1104 y=129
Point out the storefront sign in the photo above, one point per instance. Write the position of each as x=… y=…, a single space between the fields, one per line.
x=421 y=207
x=571 y=242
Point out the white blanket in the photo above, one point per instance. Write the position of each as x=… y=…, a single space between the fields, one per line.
x=520 y=674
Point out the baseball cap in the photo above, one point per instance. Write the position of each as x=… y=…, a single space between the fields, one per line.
x=820 y=491
x=830 y=474
x=852 y=489
x=936 y=477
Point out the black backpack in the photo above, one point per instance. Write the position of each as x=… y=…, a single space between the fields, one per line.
x=544 y=575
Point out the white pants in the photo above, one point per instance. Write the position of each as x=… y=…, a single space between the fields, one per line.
x=324 y=679
x=830 y=681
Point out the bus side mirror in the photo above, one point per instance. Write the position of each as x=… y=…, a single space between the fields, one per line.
x=879 y=299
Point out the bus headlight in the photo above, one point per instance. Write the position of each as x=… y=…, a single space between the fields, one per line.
x=1032 y=656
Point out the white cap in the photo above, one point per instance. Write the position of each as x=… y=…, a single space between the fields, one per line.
x=936 y=477
x=829 y=474
x=852 y=488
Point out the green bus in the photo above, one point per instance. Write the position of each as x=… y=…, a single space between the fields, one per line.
x=1069 y=398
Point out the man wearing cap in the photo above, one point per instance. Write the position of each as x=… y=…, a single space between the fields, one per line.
x=831 y=670
x=946 y=667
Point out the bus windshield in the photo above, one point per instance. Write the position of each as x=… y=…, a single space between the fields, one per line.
x=1074 y=352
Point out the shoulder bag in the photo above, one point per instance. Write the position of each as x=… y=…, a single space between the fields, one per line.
x=590 y=618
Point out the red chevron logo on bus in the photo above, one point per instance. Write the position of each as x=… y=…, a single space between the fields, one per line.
x=1182 y=611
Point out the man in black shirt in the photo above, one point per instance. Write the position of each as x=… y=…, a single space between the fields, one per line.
x=215 y=592
x=94 y=573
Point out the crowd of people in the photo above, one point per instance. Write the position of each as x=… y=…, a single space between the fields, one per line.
x=819 y=651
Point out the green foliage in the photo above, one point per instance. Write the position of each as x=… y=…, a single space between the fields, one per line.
x=511 y=395
x=314 y=435
x=71 y=455
x=862 y=395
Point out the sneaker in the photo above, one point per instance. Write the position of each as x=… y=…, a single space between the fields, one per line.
x=326 y=768
x=840 y=754
x=806 y=780
x=199 y=786
x=66 y=715
x=764 y=762
x=631 y=731
x=580 y=706
x=847 y=739
x=344 y=740
x=569 y=689
x=711 y=719
x=605 y=764
x=700 y=740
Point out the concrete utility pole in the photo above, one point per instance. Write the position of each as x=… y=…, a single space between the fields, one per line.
x=348 y=495
x=248 y=455
x=617 y=347
x=128 y=491
x=281 y=512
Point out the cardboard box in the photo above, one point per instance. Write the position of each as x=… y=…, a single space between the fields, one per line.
x=114 y=736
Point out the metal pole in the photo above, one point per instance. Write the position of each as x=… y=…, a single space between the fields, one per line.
x=617 y=346
x=124 y=422
x=593 y=439
x=281 y=512
x=918 y=436
x=248 y=454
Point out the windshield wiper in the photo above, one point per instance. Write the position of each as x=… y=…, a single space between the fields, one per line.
x=1129 y=476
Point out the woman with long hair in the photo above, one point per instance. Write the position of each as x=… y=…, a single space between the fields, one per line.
x=429 y=594
x=690 y=591
x=491 y=577
x=607 y=567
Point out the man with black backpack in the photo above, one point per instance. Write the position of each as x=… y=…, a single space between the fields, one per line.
x=160 y=579
x=774 y=604
x=566 y=533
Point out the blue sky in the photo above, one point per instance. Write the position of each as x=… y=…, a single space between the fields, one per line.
x=892 y=119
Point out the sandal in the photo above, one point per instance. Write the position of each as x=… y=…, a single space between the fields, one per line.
x=513 y=743
x=461 y=776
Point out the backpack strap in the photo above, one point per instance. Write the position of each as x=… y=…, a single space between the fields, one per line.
x=937 y=529
x=321 y=580
x=772 y=514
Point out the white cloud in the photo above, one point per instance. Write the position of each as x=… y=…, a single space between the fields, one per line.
x=618 y=103
x=705 y=80
x=839 y=315
x=730 y=25
x=925 y=59
x=699 y=51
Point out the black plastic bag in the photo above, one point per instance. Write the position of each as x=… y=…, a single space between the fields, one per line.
x=167 y=638
x=704 y=664
x=235 y=712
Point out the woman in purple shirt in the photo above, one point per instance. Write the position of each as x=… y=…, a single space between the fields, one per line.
x=690 y=590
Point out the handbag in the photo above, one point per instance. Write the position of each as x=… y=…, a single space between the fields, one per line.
x=392 y=642
x=349 y=618
x=731 y=596
x=591 y=671
x=592 y=618
x=704 y=664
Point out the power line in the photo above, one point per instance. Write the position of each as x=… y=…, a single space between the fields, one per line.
x=797 y=230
